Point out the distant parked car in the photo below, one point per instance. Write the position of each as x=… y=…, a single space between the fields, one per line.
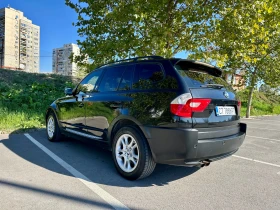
x=150 y=110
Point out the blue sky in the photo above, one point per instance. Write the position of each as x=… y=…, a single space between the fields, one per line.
x=55 y=20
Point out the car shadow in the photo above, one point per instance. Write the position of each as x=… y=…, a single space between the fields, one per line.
x=89 y=159
x=47 y=192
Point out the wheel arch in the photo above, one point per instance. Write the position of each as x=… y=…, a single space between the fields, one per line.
x=129 y=122
x=52 y=108
x=123 y=121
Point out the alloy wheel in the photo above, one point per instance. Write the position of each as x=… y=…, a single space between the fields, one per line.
x=51 y=127
x=127 y=153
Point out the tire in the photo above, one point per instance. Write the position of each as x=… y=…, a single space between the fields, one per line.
x=53 y=130
x=128 y=144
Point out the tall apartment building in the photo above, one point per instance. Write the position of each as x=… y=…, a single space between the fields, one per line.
x=19 y=41
x=61 y=62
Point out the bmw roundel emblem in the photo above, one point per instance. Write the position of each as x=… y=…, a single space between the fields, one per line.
x=226 y=94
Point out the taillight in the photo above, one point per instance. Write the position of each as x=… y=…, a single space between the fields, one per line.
x=184 y=105
x=239 y=105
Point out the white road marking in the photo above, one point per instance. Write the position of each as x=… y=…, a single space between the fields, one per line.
x=260 y=119
x=278 y=173
x=257 y=161
x=116 y=204
x=260 y=123
x=263 y=138
x=264 y=128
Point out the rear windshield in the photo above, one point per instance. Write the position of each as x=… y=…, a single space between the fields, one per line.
x=198 y=78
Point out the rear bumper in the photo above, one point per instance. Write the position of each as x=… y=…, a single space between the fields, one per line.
x=183 y=147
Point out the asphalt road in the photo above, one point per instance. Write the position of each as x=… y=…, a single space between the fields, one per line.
x=37 y=174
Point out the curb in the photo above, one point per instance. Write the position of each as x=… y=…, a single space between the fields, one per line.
x=21 y=131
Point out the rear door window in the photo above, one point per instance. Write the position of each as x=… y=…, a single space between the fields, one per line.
x=147 y=73
x=126 y=81
x=111 y=79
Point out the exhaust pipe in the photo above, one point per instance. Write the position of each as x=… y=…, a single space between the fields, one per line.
x=199 y=164
x=206 y=162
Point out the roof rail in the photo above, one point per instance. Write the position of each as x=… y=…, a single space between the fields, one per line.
x=152 y=57
x=133 y=60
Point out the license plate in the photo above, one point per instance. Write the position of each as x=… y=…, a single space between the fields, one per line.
x=225 y=110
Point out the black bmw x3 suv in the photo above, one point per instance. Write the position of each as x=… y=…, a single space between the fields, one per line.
x=150 y=110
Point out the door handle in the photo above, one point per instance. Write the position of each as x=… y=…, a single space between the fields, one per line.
x=81 y=105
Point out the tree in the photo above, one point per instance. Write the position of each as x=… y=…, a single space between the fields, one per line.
x=246 y=36
x=116 y=29
x=236 y=35
x=83 y=69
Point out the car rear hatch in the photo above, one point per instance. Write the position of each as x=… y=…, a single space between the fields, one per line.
x=218 y=117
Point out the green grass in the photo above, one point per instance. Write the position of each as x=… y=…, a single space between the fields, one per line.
x=24 y=97
x=262 y=104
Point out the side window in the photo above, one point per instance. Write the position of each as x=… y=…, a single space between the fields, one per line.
x=147 y=74
x=127 y=78
x=111 y=79
x=89 y=82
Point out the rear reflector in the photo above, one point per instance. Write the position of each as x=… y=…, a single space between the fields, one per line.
x=184 y=105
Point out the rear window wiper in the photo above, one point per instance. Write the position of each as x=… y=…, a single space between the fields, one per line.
x=218 y=86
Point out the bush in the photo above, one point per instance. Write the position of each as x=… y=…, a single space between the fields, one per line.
x=24 y=97
x=276 y=109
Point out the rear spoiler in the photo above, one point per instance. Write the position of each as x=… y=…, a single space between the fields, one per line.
x=185 y=64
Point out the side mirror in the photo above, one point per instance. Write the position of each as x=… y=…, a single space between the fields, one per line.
x=68 y=91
